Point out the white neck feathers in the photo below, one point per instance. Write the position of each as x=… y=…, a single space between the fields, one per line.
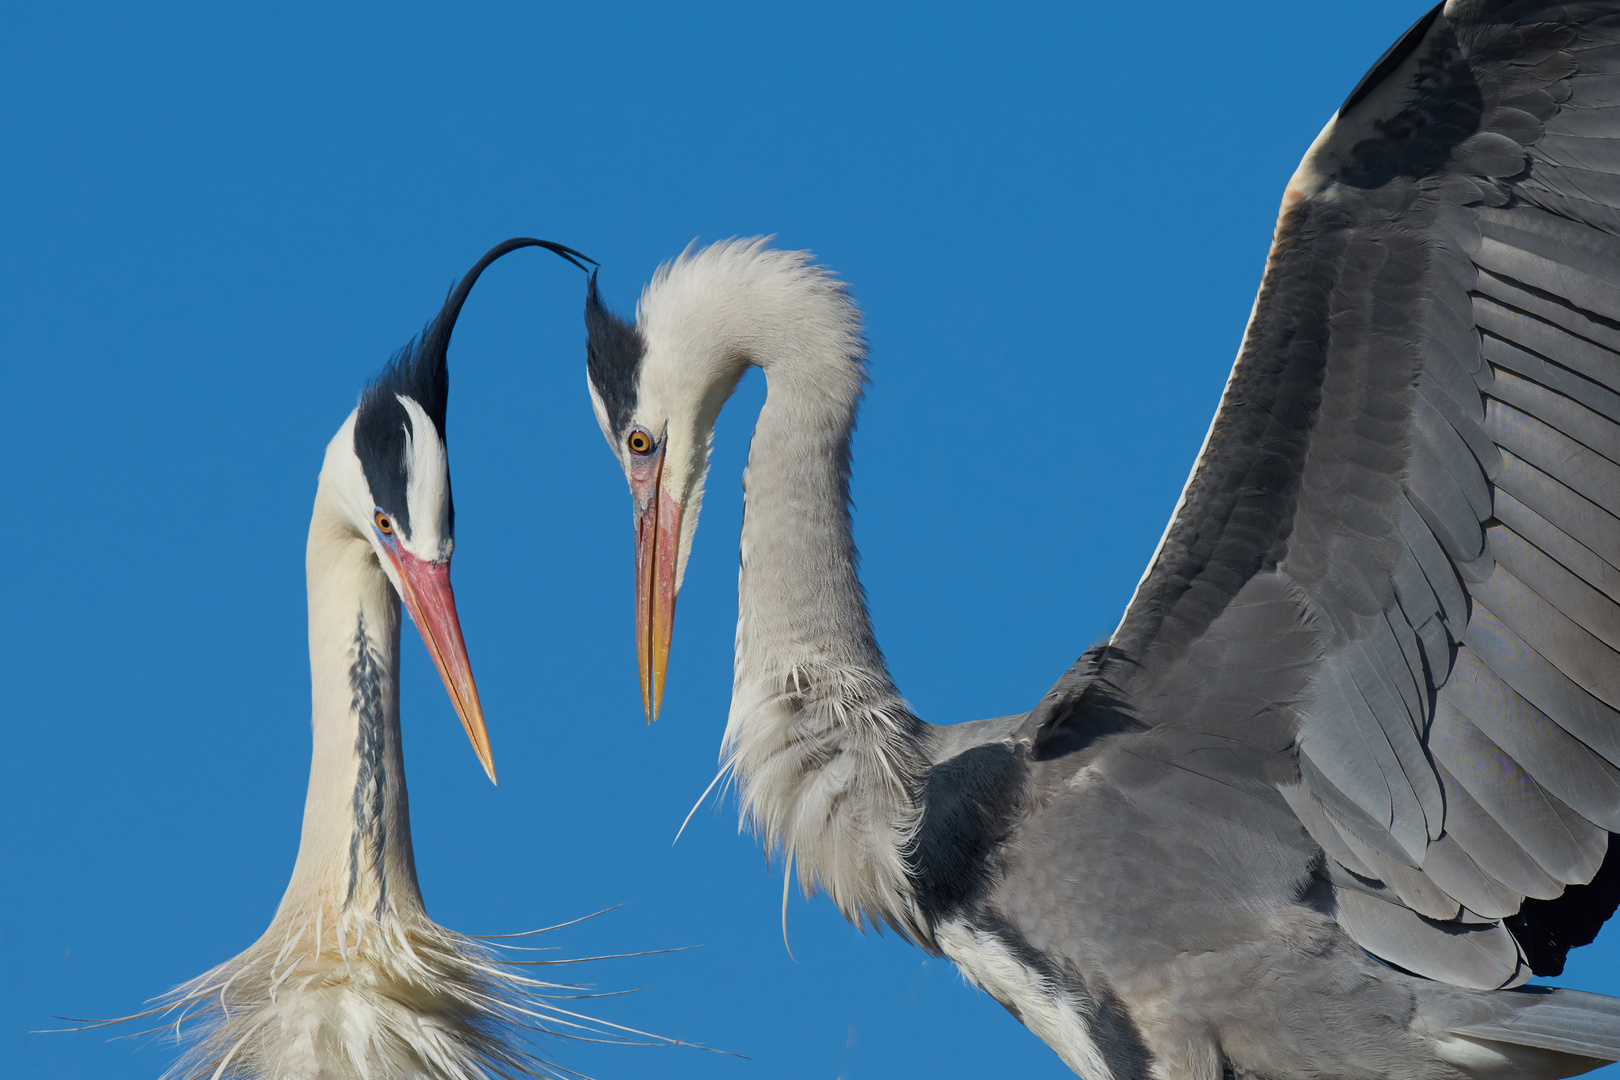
x=352 y=979
x=355 y=852
x=824 y=748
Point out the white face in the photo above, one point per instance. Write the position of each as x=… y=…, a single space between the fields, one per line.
x=411 y=542
x=702 y=321
x=427 y=494
x=676 y=409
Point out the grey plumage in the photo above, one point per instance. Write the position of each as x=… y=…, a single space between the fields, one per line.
x=1405 y=670
x=1366 y=699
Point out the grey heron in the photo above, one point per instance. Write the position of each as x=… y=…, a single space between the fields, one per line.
x=1345 y=774
x=353 y=979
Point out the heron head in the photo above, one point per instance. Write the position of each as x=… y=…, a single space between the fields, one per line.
x=396 y=488
x=657 y=387
x=396 y=496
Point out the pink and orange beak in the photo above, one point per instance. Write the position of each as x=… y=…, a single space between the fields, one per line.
x=432 y=605
x=658 y=536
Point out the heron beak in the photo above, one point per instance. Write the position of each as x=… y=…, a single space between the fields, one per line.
x=432 y=605
x=658 y=534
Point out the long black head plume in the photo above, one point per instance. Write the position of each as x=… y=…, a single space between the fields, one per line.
x=613 y=354
x=420 y=372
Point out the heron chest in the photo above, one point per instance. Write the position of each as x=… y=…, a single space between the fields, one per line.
x=1053 y=1004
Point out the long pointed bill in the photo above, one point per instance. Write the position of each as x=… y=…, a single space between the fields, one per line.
x=658 y=534
x=432 y=605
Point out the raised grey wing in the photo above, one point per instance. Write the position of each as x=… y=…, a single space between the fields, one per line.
x=1390 y=587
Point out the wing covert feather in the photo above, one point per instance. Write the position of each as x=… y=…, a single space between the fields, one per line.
x=1399 y=546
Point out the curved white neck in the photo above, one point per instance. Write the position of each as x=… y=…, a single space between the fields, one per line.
x=355 y=852
x=825 y=750
x=801 y=608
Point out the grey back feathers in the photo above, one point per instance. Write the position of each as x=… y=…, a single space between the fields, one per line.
x=1389 y=592
x=419 y=371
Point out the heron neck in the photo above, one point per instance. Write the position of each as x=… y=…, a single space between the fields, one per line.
x=826 y=751
x=355 y=852
x=801 y=605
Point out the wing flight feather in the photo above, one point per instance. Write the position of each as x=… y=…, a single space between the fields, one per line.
x=1400 y=547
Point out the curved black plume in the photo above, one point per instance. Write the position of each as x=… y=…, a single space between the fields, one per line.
x=446 y=319
x=419 y=371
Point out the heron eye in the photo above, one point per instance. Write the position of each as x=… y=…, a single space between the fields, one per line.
x=640 y=442
x=384 y=524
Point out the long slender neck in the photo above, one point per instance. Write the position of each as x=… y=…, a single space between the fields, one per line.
x=352 y=978
x=801 y=610
x=826 y=752
x=355 y=853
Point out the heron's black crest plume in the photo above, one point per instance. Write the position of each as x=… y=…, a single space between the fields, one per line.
x=419 y=371
x=613 y=353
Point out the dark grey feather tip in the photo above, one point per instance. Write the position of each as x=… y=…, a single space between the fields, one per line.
x=1391 y=59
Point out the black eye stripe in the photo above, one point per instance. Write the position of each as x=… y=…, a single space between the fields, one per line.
x=381 y=429
x=613 y=355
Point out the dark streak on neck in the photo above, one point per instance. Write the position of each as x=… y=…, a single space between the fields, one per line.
x=370 y=827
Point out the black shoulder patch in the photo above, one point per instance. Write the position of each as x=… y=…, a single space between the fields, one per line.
x=613 y=355
x=420 y=372
x=970 y=803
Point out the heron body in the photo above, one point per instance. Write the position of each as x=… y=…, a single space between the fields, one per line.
x=352 y=979
x=1345 y=774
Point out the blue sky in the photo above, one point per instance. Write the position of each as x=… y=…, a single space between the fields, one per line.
x=217 y=225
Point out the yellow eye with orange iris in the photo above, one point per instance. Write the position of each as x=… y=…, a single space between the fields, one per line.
x=640 y=442
x=384 y=525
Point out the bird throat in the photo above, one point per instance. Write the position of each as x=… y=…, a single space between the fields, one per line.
x=355 y=860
